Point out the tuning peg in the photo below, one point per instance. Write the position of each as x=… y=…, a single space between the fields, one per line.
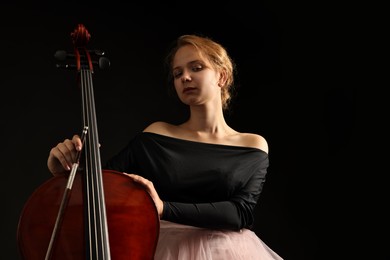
x=60 y=55
x=104 y=63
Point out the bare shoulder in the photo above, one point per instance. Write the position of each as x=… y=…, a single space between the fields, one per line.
x=254 y=140
x=159 y=127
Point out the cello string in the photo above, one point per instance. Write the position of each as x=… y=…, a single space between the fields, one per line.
x=87 y=181
x=98 y=220
x=90 y=182
x=100 y=188
x=92 y=173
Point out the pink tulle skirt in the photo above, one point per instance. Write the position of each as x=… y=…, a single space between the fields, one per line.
x=182 y=242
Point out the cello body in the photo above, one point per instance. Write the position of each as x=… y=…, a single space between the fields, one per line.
x=131 y=215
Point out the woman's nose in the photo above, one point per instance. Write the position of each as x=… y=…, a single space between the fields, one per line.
x=185 y=77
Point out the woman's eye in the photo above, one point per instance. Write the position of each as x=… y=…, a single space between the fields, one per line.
x=177 y=75
x=197 y=68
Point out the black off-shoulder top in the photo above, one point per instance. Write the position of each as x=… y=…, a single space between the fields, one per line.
x=202 y=184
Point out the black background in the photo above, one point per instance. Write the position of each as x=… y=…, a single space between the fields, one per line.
x=293 y=87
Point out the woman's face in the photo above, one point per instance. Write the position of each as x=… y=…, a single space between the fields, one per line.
x=195 y=80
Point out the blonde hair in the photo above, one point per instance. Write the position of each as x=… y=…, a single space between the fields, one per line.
x=215 y=53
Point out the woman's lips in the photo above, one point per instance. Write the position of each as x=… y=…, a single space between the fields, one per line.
x=189 y=89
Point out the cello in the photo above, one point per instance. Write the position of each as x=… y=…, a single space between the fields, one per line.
x=91 y=213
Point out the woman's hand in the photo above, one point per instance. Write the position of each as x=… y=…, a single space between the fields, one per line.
x=62 y=156
x=150 y=189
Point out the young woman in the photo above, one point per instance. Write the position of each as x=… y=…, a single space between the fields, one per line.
x=204 y=177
